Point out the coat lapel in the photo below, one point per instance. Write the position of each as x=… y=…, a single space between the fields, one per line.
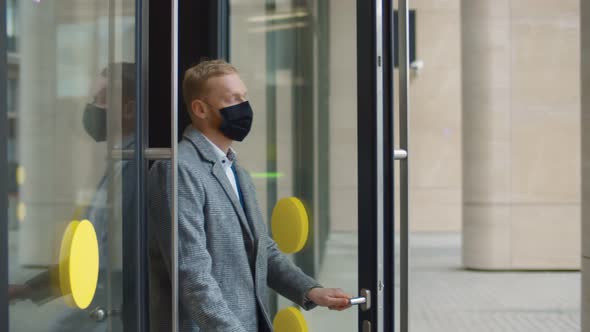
x=206 y=151
x=250 y=204
x=221 y=177
x=258 y=227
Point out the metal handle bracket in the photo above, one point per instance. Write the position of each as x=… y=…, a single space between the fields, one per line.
x=364 y=300
x=399 y=154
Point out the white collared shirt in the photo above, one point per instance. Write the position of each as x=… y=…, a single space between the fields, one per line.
x=226 y=160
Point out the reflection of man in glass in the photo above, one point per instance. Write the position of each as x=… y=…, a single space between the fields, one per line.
x=103 y=211
x=226 y=258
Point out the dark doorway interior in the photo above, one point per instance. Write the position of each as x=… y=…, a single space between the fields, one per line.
x=203 y=33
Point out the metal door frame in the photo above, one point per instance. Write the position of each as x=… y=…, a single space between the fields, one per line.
x=4 y=317
x=403 y=32
x=377 y=157
x=375 y=162
x=135 y=308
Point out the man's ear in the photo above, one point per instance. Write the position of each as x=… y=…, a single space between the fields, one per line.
x=198 y=109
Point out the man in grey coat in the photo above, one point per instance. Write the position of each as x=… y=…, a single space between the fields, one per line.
x=226 y=257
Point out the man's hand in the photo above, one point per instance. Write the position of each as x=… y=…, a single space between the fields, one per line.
x=333 y=298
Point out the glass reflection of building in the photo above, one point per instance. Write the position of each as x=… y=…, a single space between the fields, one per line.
x=56 y=51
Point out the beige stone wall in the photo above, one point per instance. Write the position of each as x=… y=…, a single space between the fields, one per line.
x=343 y=116
x=585 y=119
x=521 y=62
x=435 y=117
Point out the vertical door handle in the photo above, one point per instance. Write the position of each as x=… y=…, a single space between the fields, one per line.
x=174 y=147
x=402 y=155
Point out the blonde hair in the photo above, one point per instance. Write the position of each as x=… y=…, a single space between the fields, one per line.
x=194 y=84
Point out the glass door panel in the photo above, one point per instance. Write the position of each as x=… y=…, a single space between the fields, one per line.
x=72 y=89
x=298 y=59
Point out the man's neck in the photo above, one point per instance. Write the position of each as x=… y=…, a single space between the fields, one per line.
x=217 y=138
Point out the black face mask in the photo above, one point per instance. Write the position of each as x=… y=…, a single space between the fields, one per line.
x=237 y=121
x=95 y=122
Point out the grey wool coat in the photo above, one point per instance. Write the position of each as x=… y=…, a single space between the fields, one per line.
x=226 y=257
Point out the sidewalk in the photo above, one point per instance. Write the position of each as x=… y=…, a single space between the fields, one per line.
x=444 y=297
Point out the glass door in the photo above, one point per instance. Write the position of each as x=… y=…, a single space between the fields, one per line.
x=71 y=175
x=302 y=82
x=319 y=85
x=317 y=76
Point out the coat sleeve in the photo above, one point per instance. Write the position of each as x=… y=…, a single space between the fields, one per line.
x=199 y=292
x=44 y=286
x=286 y=278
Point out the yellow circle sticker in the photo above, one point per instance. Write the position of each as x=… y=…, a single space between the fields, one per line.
x=21 y=211
x=21 y=175
x=78 y=264
x=290 y=225
x=290 y=320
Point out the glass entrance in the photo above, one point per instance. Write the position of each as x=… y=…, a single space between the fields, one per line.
x=76 y=151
